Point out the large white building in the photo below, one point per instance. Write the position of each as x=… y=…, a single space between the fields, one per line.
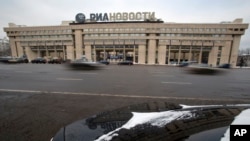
x=143 y=41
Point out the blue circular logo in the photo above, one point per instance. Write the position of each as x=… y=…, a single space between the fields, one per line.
x=80 y=18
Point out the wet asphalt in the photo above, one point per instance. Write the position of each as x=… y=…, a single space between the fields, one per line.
x=37 y=100
x=126 y=81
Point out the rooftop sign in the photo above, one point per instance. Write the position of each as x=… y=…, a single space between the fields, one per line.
x=119 y=16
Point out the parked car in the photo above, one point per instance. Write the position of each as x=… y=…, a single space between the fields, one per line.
x=39 y=60
x=9 y=59
x=225 y=66
x=104 y=62
x=18 y=60
x=55 y=60
x=127 y=62
x=5 y=59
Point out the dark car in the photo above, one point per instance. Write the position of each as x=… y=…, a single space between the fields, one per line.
x=55 y=60
x=104 y=62
x=5 y=59
x=39 y=60
x=125 y=63
x=225 y=66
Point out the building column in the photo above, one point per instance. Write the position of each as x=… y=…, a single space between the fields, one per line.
x=104 y=51
x=190 y=54
x=225 y=52
x=38 y=52
x=55 y=54
x=234 y=50
x=13 y=47
x=30 y=54
x=47 y=51
x=142 y=54
x=200 y=56
x=70 y=52
x=94 y=53
x=124 y=52
x=169 y=54
x=179 y=55
x=88 y=52
x=212 y=59
x=134 y=54
x=162 y=54
x=19 y=49
x=151 y=51
x=78 y=44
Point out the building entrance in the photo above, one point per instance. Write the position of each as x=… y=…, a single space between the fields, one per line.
x=115 y=53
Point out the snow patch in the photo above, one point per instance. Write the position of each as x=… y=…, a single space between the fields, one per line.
x=158 y=119
x=205 y=106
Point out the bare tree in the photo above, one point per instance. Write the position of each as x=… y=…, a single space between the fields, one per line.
x=241 y=52
x=247 y=51
x=244 y=51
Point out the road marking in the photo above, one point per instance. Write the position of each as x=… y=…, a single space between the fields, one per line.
x=178 y=83
x=159 y=75
x=23 y=71
x=71 y=79
x=90 y=73
x=122 y=96
x=159 y=72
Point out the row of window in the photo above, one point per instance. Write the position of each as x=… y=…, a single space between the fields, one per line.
x=219 y=30
x=42 y=43
x=68 y=31
x=121 y=35
x=194 y=29
x=113 y=35
x=192 y=35
x=192 y=42
x=40 y=32
x=45 y=36
x=112 y=29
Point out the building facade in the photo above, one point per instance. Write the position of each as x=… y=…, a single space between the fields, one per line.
x=143 y=42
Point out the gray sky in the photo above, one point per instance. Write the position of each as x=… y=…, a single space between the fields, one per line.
x=52 y=12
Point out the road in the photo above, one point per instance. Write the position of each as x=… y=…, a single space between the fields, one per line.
x=36 y=100
x=113 y=80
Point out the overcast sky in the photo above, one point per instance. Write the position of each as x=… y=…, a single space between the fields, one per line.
x=52 y=12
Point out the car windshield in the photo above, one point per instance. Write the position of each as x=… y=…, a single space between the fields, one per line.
x=127 y=70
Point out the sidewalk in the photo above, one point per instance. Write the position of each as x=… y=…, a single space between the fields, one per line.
x=237 y=67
